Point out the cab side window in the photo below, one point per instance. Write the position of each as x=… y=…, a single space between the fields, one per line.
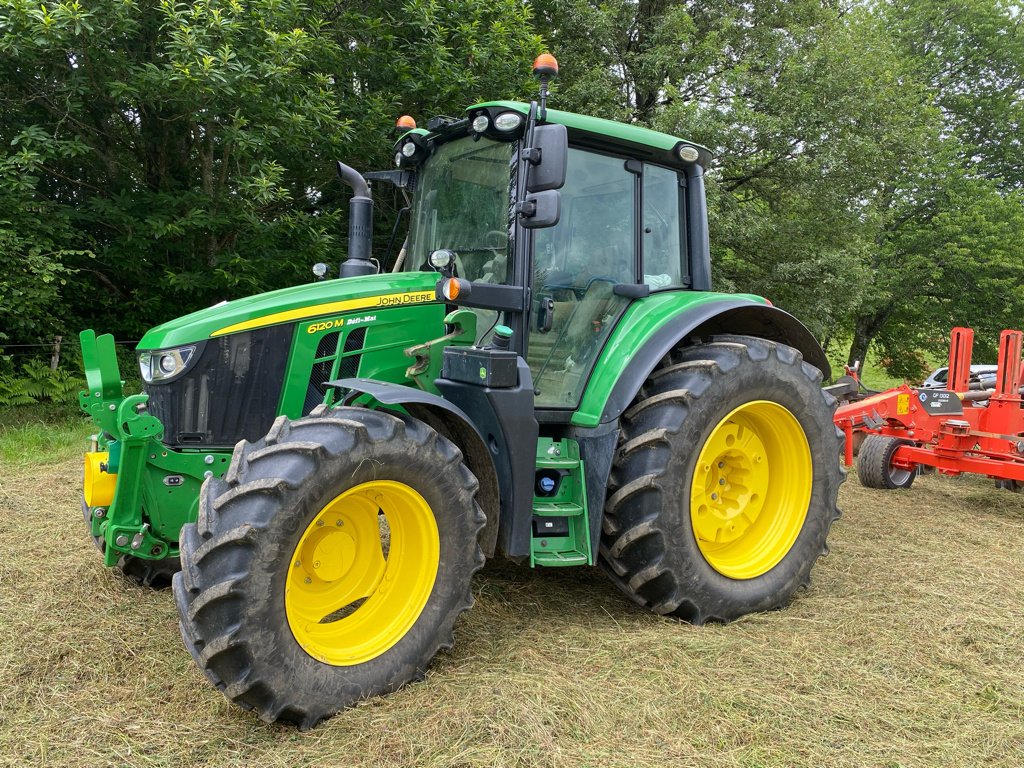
x=664 y=233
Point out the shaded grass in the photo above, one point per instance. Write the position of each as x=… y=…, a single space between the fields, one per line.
x=906 y=651
x=42 y=434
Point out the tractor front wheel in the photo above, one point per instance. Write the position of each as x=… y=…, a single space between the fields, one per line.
x=330 y=563
x=724 y=486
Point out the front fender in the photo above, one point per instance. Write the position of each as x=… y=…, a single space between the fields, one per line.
x=452 y=422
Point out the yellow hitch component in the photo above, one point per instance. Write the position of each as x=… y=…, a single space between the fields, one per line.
x=362 y=573
x=98 y=485
x=751 y=489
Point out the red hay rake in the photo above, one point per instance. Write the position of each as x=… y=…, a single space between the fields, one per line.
x=953 y=430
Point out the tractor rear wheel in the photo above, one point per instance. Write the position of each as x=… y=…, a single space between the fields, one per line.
x=330 y=563
x=874 y=464
x=723 y=489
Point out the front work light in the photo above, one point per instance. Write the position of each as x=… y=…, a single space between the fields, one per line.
x=508 y=121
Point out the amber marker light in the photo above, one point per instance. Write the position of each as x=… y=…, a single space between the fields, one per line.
x=451 y=289
x=545 y=65
x=406 y=123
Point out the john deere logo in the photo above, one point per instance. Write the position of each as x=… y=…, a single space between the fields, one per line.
x=398 y=299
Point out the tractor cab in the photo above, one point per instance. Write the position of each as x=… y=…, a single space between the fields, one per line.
x=613 y=227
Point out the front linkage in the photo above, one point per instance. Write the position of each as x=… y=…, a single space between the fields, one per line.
x=127 y=467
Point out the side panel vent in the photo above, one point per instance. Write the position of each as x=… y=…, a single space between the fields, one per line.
x=330 y=363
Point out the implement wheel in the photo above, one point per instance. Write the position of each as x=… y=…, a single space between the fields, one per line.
x=330 y=563
x=874 y=464
x=724 y=486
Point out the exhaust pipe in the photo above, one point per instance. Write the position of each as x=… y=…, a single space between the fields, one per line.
x=360 y=225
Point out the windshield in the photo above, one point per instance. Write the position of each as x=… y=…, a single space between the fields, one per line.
x=462 y=203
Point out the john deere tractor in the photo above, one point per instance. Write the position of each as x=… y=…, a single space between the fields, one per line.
x=542 y=371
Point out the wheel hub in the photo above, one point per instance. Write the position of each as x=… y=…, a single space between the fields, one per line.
x=751 y=489
x=362 y=572
x=735 y=481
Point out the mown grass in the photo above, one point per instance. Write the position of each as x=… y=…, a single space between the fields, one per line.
x=905 y=651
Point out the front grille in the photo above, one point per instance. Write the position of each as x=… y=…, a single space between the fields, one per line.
x=231 y=393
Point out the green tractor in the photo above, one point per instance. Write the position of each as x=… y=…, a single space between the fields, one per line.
x=542 y=373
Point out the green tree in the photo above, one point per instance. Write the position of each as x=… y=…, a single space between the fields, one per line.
x=802 y=104
x=190 y=147
x=950 y=226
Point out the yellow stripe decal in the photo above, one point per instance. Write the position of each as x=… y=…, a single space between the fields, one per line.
x=332 y=308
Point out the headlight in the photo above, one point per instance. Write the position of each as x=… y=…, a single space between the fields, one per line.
x=166 y=364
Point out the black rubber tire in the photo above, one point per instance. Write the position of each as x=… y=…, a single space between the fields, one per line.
x=874 y=464
x=155 y=574
x=236 y=557
x=648 y=546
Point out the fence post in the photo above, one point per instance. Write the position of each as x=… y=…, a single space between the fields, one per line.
x=55 y=357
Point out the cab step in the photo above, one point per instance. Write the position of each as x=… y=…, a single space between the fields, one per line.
x=561 y=529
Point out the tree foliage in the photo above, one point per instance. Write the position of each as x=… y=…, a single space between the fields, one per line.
x=157 y=157
x=185 y=152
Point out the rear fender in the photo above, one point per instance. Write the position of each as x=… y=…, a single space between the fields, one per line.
x=736 y=316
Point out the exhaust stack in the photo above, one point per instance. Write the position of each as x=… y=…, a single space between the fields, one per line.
x=360 y=225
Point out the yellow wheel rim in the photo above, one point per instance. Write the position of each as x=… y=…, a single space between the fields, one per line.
x=751 y=489
x=362 y=573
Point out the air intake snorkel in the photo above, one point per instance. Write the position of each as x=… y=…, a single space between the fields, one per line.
x=360 y=225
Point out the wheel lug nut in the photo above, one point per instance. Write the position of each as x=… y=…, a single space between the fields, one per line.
x=319 y=522
x=714 y=497
x=721 y=481
x=721 y=464
x=309 y=580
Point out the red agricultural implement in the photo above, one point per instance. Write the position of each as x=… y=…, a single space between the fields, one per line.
x=955 y=430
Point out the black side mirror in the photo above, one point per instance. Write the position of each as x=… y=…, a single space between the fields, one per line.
x=548 y=172
x=541 y=209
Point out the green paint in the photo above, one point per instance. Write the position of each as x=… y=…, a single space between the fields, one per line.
x=148 y=510
x=562 y=459
x=206 y=322
x=388 y=333
x=640 y=322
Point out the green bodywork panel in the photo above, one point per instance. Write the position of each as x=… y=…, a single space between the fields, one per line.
x=157 y=488
x=642 y=319
x=322 y=300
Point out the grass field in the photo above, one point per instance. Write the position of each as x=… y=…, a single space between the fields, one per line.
x=908 y=650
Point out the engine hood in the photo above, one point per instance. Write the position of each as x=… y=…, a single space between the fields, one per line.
x=289 y=305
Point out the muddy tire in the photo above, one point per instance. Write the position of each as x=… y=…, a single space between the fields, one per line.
x=724 y=485
x=874 y=464
x=330 y=563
